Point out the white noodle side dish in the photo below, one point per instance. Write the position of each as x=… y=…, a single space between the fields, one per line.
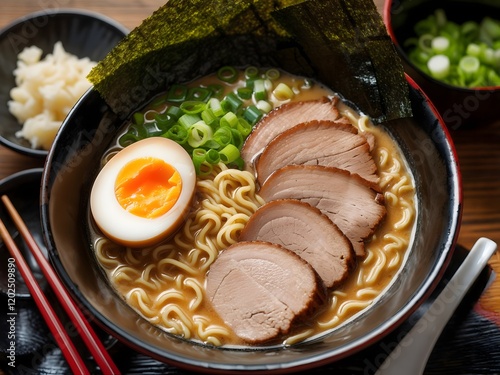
x=47 y=88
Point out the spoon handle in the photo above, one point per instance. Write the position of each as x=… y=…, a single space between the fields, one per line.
x=411 y=354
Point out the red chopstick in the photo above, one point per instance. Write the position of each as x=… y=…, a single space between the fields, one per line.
x=56 y=327
x=88 y=335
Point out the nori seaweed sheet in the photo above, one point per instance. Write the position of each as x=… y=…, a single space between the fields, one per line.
x=341 y=43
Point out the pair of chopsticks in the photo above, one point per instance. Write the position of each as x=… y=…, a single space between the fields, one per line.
x=86 y=332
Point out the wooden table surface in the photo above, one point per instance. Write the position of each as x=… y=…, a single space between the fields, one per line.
x=478 y=148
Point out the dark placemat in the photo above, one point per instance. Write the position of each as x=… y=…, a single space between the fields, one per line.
x=470 y=343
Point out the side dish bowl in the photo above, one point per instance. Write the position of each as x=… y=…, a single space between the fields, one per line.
x=22 y=188
x=74 y=160
x=458 y=106
x=82 y=33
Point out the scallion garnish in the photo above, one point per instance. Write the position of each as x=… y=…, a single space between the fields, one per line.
x=211 y=122
x=251 y=72
x=465 y=55
x=227 y=74
x=229 y=153
x=177 y=93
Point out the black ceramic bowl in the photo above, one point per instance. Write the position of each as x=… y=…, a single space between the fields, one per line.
x=82 y=33
x=457 y=106
x=23 y=189
x=74 y=160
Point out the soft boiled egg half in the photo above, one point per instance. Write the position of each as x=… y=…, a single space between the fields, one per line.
x=144 y=193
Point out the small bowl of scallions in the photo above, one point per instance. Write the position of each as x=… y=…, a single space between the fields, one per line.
x=452 y=50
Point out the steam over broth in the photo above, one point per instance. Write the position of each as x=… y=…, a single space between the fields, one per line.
x=166 y=283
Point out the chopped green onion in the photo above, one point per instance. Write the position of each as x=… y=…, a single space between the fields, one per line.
x=138 y=118
x=229 y=119
x=164 y=121
x=127 y=139
x=440 y=44
x=252 y=114
x=497 y=58
x=425 y=42
x=268 y=85
x=491 y=27
x=488 y=56
x=236 y=138
x=215 y=105
x=199 y=134
x=223 y=136
x=272 y=74
x=469 y=64
x=259 y=90
x=244 y=127
x=439 y=66
x=227 y=74
x=174 y=111
x=192 y=107
x=209 y=117
x=473 y=49
x=177 y=133
x=493 y=78
x=244 y=92
x=150 y=115
x=264 y=106
x=199 y=93
x=216 y=89
x=238 y=163
x=177 y=93
x=470 y=31
x=231 y=103
x=251 y=72
x=187 y=120
x=283 y=92
x=139 y=130
x=212 y=156
x=199 y=156
x=229 y=154
x=426 y=26
x=250 y=82
x=153 y=130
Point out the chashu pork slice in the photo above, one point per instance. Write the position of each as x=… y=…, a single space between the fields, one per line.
x=350 y=201
x=283 y=118
x=311 y=235
x=261 y=290
x=327 y=143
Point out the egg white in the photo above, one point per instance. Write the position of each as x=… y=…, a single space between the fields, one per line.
x=124 y=227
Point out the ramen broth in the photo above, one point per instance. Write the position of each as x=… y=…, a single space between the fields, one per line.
x=165 y=283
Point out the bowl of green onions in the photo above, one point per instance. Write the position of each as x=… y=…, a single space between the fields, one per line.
x=452 y=50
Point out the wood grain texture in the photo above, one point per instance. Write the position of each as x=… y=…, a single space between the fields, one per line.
x=478 y=147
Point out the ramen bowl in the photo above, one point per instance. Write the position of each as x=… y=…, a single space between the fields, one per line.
x=82 y=33
x=75 y=159
x=458 y=106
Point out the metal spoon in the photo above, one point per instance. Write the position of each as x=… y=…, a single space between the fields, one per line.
x=411 y=354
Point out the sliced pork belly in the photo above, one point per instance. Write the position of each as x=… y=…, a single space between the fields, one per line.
x=261 y=289
x=351 y=202
x=303 y=229
x=325 y=143
x=283 y=118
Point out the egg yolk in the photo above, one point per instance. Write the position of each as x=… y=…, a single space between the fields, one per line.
x=148 y=187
